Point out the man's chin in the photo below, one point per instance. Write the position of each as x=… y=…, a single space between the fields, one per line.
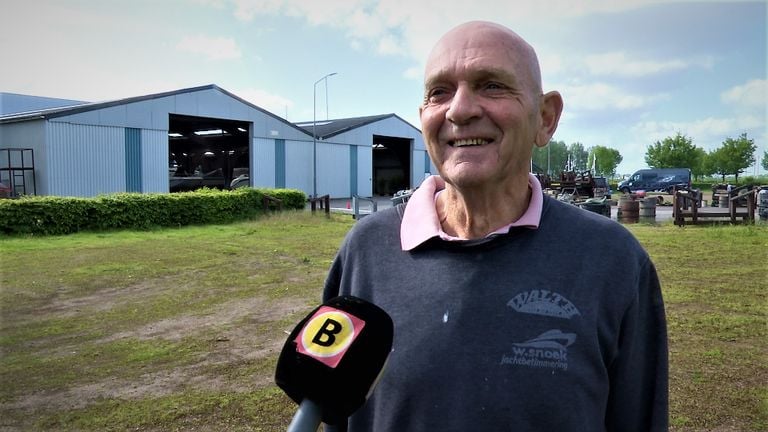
x=479 y=179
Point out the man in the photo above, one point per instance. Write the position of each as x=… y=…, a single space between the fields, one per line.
x=512 y=311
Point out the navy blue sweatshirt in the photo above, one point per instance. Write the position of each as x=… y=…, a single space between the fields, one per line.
x=560 y=328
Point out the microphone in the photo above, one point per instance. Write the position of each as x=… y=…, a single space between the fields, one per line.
x=333 y=359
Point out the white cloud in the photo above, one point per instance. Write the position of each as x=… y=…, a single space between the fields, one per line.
x=414 y=73
x=417 y=24
x=601 y=96
x=213 y=48
x=617 y=63
x=753 y=94
x=389 y=45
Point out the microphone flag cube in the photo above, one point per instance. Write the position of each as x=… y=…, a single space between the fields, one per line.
x=335 y=355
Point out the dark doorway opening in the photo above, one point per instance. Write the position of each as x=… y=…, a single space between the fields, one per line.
x=206 y=152
x=391 y=164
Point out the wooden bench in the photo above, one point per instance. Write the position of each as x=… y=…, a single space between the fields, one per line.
x=686 y=208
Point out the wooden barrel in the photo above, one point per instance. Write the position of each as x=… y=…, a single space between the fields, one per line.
x=630 y=209
x=647 y=209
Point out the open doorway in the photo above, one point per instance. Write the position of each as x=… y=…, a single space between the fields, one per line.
x=391 y=164
x=206 y=152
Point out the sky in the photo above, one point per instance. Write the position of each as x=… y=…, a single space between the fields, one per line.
x=631 y=72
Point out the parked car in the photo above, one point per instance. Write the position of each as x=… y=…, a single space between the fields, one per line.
x=657 y=180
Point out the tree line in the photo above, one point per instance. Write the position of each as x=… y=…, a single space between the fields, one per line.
x=733 y=157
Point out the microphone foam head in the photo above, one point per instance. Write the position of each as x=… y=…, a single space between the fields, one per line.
x=335 y=355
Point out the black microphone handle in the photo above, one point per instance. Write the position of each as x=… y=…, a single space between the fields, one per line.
x=307 y=417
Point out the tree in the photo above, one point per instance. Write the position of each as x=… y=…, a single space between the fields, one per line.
x=733 y=157
x=765 y=160
x=607 y=159
x=702 y=167
x=552 y=157
x=673 y=152
x=578 y=156
x=716 y=163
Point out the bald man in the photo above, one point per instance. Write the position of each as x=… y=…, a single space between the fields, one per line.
x=502 y=319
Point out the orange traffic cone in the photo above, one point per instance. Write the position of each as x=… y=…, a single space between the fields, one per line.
x=348 y=207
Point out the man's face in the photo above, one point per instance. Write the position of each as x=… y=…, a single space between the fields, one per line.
x=480 y=113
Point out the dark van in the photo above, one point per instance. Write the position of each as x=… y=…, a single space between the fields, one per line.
x=657 y=180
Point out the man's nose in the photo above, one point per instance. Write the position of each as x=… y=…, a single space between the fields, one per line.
x=464 y=106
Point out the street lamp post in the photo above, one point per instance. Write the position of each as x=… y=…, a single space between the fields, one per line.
x=314 y=134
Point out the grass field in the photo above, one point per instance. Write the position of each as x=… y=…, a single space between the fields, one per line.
x=179 y=329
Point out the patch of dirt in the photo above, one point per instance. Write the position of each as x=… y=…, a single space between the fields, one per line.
x=102 y=300
x=255 y=309
x=239 y=337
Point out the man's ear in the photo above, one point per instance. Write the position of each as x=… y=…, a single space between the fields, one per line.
x=551 y=108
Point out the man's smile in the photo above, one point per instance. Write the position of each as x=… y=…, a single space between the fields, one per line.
x=467 y=142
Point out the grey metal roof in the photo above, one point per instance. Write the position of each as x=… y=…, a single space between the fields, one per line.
x=325 y=129
x=76 y=109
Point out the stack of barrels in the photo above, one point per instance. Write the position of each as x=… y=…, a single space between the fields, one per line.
x=633 y=209
x=648 y=210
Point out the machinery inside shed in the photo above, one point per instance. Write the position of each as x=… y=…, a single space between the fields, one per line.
x=206 y=152
x=391 y=164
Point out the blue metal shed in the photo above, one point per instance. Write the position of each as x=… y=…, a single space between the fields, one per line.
x=197 y=136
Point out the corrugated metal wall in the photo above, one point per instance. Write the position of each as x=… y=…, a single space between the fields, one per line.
x=85 y=160
x=393 y=127
x=280 y=163
x=133 y=181
x=154 y=148
x=298 y=173
x=364 y=171
x=263 y=163
x=332 y=169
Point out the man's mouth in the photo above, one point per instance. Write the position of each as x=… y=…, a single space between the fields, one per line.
x=468 y=142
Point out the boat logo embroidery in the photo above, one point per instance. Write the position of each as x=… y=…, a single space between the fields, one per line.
x=547 y=350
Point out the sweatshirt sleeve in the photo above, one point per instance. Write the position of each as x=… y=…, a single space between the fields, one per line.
x=333 y=280
x=638 y=399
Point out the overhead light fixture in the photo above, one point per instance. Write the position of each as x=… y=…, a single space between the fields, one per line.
x=209 y=153
x=242 y=130
x=210 y=132
x=175 y=135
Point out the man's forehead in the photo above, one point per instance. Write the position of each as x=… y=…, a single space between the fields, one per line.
x=475 y=59
x=482 y=46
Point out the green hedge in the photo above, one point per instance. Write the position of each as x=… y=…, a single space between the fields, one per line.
x=65 y=215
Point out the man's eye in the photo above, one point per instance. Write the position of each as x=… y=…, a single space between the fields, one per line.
x=436 y=95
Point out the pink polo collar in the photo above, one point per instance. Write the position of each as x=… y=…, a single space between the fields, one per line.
x=420 y=222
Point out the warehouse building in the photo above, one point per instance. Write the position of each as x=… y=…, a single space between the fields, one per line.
x=195 y=137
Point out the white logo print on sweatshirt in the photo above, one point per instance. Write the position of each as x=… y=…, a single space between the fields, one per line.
x=543 y=302
x=549 y=350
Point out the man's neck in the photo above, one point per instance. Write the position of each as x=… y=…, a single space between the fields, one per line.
x=475 y=214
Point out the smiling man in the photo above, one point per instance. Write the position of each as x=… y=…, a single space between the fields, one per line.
x=501 y=320
x=482 y=112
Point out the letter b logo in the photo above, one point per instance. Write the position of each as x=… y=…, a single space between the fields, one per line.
x=328 y=334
